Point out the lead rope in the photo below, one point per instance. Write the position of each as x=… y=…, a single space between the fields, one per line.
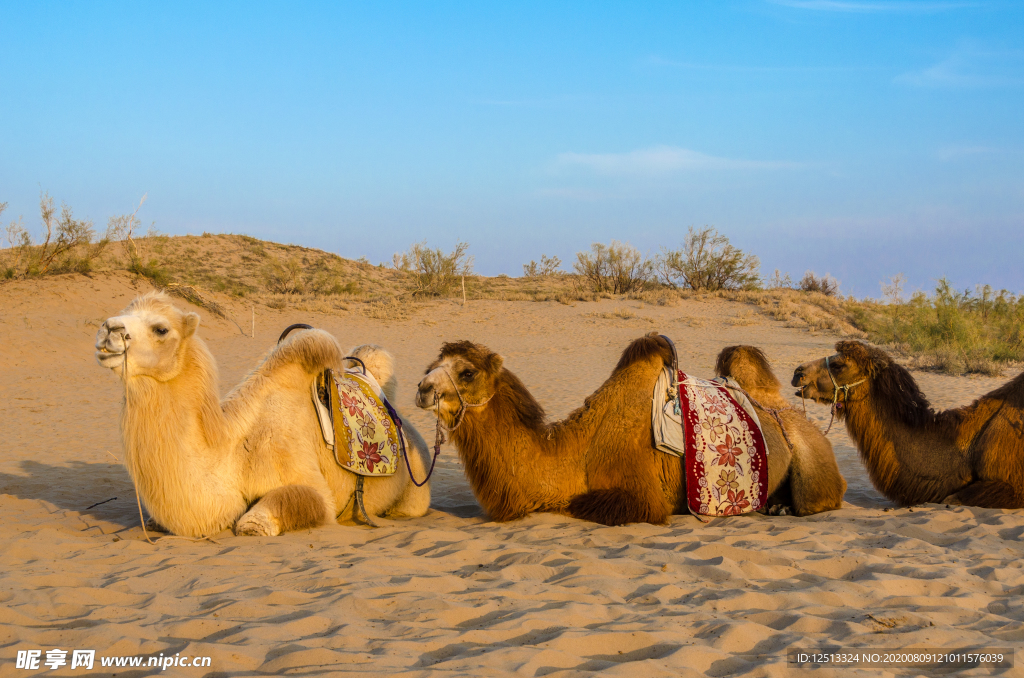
x=440 y=429
x=845 y=388
x=138 y=501
x=463 y=406
x=401 y=436
x=776 y=414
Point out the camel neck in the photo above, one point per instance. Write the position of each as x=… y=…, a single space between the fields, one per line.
x=510 y=460
x=909 y=464
x=172 y=428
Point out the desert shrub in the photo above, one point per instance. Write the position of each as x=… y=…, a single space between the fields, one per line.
x=284 y=278
x=122 y=227
x=65 y=245
x=435 y=273
x=253 y=245
x=547 y=266
x=953 y=331
x=19 y=244
x=708 y=262
x=152 y=270
x=618 y=268
x=825 y=284
x=778 y=281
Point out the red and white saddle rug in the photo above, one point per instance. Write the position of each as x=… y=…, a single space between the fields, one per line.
x=724 y=451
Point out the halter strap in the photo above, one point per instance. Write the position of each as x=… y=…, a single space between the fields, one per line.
x=845 y=389
x=463 y=405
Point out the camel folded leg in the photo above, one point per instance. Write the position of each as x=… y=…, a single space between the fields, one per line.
x=815 y=483
x=291 y=507
x=987 y=494
x=618 y=506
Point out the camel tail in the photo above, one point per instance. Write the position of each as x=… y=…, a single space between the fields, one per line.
x=644 y=348
x=614 y=506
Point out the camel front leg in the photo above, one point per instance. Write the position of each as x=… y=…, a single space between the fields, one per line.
x=291 y=507
x=987 y=494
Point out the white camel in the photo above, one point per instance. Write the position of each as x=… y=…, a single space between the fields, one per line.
x=256 y=459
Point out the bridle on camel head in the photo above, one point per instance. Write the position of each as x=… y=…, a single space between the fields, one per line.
x=844 y=389
x=463 y=405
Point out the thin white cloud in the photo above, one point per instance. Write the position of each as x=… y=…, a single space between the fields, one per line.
x=852 y=6
x=689 y=65
x=957 y=152
x=661 y=160
x=970 y=67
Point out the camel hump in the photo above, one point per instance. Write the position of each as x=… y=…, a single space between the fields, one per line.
x=749 y=366
x=314 y=350
x=381 y=364
x=645 y=348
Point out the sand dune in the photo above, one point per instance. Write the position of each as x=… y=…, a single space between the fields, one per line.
x=452 y=591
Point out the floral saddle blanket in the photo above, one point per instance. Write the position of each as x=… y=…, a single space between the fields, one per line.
x=714 y=428
x=358 y=423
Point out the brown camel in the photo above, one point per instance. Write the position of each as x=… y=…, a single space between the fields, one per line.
x=597 y=464
x=972 y=455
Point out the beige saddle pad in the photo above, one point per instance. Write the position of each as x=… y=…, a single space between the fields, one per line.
x=356 y=423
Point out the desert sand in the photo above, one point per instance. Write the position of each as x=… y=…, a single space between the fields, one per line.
x=453 y=592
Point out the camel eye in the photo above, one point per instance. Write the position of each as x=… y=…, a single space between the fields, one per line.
x=161 y=331
x=467 y=375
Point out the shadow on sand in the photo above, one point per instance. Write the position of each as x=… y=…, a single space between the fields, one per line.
x=83 y=487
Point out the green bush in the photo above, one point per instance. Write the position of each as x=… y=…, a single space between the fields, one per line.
x=547 y=266
x=436 y=273
x=618 y=268
x=959 y=331
x=825 y=284
x=708 y=262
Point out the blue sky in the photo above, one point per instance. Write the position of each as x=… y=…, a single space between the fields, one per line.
x=860 y=138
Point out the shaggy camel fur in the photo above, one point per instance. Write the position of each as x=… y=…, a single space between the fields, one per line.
x=972 y=455
x=597 y=464
x=801 y=455
x=256 y=457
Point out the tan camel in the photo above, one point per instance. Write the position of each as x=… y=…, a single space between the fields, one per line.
x=972 y=455
x=597 y=464
x=255 y=459
x=812 y=481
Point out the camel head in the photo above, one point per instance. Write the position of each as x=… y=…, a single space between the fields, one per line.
x=463 y=369
x=855 y=364
x=150 y=330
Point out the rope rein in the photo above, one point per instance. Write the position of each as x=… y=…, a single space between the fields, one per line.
x=440 y=428
x=776 y=413
x=124 y=379
x=463 y=405
x=845 y=389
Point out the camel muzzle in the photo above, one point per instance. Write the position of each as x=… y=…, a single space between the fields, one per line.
x=112 y=341
x=424 y=396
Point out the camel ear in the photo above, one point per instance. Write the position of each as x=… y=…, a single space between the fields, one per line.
x=494 y=363
x=191 y=322
x=858 y=353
